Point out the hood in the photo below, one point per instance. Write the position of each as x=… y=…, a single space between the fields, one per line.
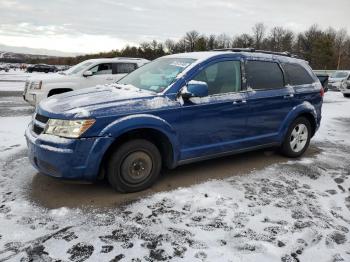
x=335 y=80
x=102 y=101
x=52 y=77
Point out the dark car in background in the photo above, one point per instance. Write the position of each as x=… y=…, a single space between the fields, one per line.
x=323 y=77
x=4 y=68
x=42 y=68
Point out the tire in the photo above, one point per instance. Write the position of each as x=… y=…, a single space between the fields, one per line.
x=296 y=146
x=134 y=166
x=346 y=95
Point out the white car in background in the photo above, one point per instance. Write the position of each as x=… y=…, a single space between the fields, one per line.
x=85 y=74
x=340 y=81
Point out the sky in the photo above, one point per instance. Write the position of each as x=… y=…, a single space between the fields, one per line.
x=88 y=26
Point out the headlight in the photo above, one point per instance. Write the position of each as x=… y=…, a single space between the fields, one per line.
x=36 y=85
x=68 y=128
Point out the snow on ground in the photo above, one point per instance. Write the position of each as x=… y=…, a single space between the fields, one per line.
x=14 y=80
x=293 y=211
x=16 y=75
x=11 y=86
x=12 y=134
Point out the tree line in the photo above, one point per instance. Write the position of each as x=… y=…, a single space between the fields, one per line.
x=324 y=49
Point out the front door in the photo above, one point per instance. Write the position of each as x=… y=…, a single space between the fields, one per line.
x=215 y=124
x=101 y=74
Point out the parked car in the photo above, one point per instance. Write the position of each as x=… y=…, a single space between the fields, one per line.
x=338 y=79
x=86 y=74
x=176 y=110
x=4 y=68
x=42 y=68
x=324 y=80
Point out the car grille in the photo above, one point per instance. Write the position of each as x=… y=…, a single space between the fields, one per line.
x=26 y=86
x=41 y=118
x=37 y=128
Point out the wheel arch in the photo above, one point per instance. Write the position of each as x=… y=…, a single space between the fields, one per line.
x=56 y=91
x=153 y=129
x=306 y=110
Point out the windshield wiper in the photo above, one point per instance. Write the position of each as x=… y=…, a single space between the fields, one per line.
x=138 y=88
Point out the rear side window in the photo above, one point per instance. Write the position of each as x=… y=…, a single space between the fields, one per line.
x=297 y=75
x=124 y=68
x=264 y=75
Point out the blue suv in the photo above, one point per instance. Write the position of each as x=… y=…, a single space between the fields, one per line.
x=175 y=110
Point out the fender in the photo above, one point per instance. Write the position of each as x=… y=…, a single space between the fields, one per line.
x=305 y=107
x=139 y=121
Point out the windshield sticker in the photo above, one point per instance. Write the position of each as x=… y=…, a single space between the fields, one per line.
x=180 y=64
x=153 y=88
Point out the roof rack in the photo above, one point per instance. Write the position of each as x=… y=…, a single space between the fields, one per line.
x=235 y=49
x=130 y=58
x=252 y=50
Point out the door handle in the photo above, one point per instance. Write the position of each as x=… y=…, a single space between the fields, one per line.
x=288 y=96
x=241 y=101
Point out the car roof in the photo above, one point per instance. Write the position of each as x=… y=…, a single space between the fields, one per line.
x=120 y=59
x=201 y=56
x=342 y=71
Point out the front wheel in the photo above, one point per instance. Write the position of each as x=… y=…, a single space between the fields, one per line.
x=134 y=166
x=298 y=138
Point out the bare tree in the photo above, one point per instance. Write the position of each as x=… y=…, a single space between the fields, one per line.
x=340 y=40
x=170 y=46
x=211 y=42
x=244 y=40
x=280 y=39
x=259 y=31
x=223 y=41
x=190 y=39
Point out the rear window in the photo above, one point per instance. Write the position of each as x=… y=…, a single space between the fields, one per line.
x=123 y=68
x=297 y=75
x=264 y=75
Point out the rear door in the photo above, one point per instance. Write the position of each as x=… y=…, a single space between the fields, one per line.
x=269 y=99
x=122 y=69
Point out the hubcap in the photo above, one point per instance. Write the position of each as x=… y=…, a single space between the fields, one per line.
x=136 y=167
x=298 y=138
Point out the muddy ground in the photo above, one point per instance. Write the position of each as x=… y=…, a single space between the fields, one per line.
x=256 y=206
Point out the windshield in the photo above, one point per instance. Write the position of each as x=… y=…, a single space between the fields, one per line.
x=157 y=75
x=339 y=75
x=77 y=68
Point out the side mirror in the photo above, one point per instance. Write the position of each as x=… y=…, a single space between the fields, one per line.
x=87 y=73
x=195 y=89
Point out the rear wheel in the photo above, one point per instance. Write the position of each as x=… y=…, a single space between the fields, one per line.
x=298 y=138
x=134 y=166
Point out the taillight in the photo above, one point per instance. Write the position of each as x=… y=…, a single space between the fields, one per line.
x=322 y=92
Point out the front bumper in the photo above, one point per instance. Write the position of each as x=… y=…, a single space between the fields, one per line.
x=345 y=90
x=77 y=159
x=33 y=97
x=334 y=86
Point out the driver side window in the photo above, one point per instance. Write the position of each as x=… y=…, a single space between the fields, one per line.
x=102 y=69
x=222 y=77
